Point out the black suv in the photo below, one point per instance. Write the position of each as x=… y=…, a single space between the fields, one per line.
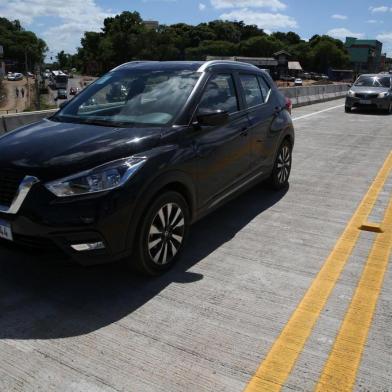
x=124 y=168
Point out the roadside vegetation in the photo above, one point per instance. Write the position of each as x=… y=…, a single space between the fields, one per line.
x=125 y=37
x=20 y=44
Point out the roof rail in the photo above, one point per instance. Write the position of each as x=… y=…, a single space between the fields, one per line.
x=209 y=63
x=133 y=62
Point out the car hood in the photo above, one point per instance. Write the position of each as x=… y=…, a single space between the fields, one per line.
x=49 y=149
x=369 y=90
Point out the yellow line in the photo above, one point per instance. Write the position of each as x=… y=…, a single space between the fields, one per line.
x=276 y=367
x=341 y=367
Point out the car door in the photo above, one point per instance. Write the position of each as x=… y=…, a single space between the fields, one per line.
x=223 y=150
x=261 y=114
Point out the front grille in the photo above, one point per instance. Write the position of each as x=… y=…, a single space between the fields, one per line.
x=366 y=96
x=9 y=184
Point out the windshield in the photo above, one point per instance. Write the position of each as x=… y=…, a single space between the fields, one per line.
x=128 y=98
x=373 y=81
x=61 y=78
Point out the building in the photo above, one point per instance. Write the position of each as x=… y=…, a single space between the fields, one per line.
x=282 y=69
x=386 y=63
x=294 y=68
x=151 y=24
x=365 y=54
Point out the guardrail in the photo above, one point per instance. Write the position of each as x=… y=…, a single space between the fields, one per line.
x=299 y=96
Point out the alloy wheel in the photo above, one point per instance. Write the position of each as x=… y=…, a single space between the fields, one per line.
x=166 y=233
x=283 y=164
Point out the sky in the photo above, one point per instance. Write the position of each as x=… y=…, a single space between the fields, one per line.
x=61 y=23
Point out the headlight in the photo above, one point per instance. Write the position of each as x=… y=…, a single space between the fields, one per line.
x=383 y=95
x=351 y=93
x=102 y=178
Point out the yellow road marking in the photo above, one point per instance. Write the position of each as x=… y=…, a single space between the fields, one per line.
x=341 y=367
x=276 y=367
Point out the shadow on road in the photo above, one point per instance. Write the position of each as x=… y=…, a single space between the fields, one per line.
x=43 y=298
x=373 y=112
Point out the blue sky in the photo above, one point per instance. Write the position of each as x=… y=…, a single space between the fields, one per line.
x=62 y=22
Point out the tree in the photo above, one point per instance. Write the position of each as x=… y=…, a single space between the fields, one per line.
x=261 y=46
x=18 y=43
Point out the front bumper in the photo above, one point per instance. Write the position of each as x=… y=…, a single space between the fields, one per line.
x=371 y=103
x=52 y=224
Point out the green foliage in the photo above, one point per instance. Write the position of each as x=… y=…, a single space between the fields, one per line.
x=124 y=37
x=18 y=42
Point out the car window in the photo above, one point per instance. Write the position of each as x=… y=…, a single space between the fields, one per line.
x=132 y=98
x=252 y=92
x=265 y=89
x=220 y=94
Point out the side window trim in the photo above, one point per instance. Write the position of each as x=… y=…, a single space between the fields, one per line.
x=267 y=97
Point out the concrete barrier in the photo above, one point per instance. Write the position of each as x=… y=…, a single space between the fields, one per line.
x=12 y=121
x=299 y=96
x=307 y=95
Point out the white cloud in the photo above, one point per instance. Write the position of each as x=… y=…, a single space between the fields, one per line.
x=374 y=21
x=342 y=33
x=338 y=16
x=385 y=37
x=274 y=5
x=266 y=21
x=382 y=8
x=75 y=17
x=202 y=6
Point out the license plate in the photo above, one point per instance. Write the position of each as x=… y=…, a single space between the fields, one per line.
x=5 y=230
x=365 y=102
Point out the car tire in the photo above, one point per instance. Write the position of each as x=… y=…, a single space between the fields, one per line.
x=347 y=109
x=282 y=167
x=389 y=110
x=163 y=232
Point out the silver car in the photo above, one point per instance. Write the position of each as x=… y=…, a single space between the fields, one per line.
x=373 y=91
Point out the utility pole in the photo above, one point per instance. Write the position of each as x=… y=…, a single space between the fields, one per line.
x=37 y=92
x=27 y=79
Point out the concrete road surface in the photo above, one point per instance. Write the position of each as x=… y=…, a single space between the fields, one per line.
x=272 y=292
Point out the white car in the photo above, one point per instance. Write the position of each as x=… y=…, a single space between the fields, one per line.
x=298 y=82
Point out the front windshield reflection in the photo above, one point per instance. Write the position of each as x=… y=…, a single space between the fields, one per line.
x=126 y=98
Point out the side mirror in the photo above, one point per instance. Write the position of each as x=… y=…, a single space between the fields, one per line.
x=62 y=104
x=213 y=117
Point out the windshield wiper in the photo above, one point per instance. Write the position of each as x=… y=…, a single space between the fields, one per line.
x=105 y=123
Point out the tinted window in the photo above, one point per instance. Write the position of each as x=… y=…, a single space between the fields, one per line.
x=373 y=81
x=220 y=94
x=265 y=89
x=252 y=90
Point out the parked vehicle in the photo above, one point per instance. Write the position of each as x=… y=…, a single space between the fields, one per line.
x=14 y=76
x=371 y=91
x=125 y=179
x=298 y=82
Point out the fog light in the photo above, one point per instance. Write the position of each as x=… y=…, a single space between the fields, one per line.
x=89 y=246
